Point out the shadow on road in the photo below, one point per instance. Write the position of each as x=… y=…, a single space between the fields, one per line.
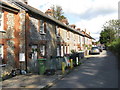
x=98 y=71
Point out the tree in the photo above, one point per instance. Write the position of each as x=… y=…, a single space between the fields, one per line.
x=58 y=12
x=108 y=34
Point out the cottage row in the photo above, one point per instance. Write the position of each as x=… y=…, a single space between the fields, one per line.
x=31 y=34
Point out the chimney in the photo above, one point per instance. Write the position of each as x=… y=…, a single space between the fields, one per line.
x=85 y=31
x=49 y=12
x=65 y=21
x=73 y=26
x=78 y=29
x=89 y=33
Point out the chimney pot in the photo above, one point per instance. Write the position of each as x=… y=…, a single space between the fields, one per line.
x=78 y=29
x=73 y=26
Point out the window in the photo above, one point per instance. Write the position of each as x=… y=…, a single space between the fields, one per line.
x=34 y=54
x=57 y=31
x=68 y=49
x=42 y=50
x=58 y=50
x=65 y=49
x=62 y=54
x=1 y=20
x=68 y=34
x=42 y=29
x=1 y=51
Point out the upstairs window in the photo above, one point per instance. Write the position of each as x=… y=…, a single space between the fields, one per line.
x=57 y=29
x=42 y=27
x=68 y=35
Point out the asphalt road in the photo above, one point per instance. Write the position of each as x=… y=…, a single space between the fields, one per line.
x=98 y=71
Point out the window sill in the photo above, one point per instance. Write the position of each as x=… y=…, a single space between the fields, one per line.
x=3 y=31
x=58 y=36
x=42 y=33
x=2 y=65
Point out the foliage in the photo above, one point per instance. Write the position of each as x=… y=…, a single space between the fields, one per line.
x=86 y=45
x=90 y=46
x=58 y=12
x=73 y=51
x=115 y=46
x=108 y=34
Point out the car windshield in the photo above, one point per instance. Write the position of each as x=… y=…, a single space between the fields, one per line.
x=94 y=48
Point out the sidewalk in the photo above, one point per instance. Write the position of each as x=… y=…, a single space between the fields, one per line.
x=34 y=81
x=30 y=81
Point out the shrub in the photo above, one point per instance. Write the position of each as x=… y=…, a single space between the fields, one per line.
x=115 y=46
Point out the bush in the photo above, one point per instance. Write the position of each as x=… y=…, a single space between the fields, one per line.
x=115 y=46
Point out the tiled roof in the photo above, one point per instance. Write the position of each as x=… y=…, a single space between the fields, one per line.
x=34 y=11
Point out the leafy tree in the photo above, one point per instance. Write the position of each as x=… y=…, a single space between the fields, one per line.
x=58 y=12
x=108 y=34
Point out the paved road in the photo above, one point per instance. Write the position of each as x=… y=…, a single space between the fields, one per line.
x=98 y=71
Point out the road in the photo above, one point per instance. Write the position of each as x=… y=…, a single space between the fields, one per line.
x=98 y=71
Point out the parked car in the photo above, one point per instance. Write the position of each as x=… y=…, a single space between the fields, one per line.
x=100 y=48
x=94 y=50
x=104 y=48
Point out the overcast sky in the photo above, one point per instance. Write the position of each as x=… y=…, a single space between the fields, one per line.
x=89 y=14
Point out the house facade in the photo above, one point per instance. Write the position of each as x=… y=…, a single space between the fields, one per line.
x=31 y=35
x=13 y=41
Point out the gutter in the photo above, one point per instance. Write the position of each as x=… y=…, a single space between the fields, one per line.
x=8 y=7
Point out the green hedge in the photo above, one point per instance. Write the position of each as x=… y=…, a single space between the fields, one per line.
x=115 y=46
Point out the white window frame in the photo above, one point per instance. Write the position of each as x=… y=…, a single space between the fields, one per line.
x=34 y=54
x=65 y=49
x=42 y=29
x=1 y=21
x=1 y=51
x=58 y=50
x=57 y=31
x=62 y=54
x=68 y=49
x=42 y=50
x=68 y=34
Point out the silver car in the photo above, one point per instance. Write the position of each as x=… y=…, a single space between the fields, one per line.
x=94 y=50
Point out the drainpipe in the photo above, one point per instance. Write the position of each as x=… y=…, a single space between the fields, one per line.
x=26 y=57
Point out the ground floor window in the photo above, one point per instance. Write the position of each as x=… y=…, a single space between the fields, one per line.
x=62 y=50
x=68 y=49
x=34 y=52
x=65 y=49
x=42 y=50
x=1 y=53
x=1 y=50
x=58 y=50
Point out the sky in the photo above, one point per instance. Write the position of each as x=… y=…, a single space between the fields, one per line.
x=85 y=14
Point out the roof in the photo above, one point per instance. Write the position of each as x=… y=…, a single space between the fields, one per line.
x=34 y=11
x=7 y=6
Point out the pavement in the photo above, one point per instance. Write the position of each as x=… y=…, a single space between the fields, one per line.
x=34 y=81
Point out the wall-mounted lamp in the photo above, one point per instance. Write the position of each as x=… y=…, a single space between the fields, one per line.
x=2 y=31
